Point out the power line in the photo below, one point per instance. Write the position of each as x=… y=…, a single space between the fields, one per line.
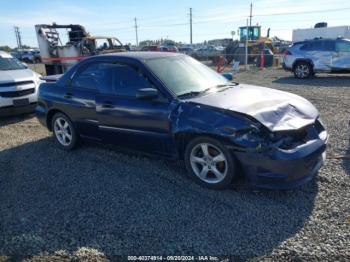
x=210 y=19
x=214 y=19
x=306 y=12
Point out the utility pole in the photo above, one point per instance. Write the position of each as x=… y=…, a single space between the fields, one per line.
x=246 y=49
x=191 y=35
x=251 y=15
x=137 y=36
x=18 y=37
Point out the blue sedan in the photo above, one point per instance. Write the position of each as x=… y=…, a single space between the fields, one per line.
x=174 y=106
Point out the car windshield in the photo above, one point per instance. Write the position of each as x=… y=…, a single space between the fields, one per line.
x=185 y=75
x=10 y=63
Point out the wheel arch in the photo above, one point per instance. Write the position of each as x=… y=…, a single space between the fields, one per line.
x=50 y=116
x=183 y=138
x=305 y=60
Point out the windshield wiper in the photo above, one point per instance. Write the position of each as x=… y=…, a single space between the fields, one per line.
x=226 y=86
x=194 y=93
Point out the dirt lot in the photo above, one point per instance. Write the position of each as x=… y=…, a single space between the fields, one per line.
x=97 y=202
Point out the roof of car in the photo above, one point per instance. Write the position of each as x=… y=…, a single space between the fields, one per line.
x=321 y=39
x=143 y=55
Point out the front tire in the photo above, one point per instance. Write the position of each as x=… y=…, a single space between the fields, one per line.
x=64 y=132
x=209 y=163
x=303 y=70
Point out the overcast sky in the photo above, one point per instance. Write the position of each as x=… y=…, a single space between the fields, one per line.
x=168 y=19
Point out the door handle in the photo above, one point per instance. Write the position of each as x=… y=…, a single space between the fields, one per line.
x=68 y=95
x=107 y=104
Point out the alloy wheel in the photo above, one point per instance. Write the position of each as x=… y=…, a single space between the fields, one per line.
x=209 y=163
x=63 y=131
x=302 y=71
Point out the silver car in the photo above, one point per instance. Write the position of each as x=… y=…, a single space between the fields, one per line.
x=18 y=86
x=307 y=58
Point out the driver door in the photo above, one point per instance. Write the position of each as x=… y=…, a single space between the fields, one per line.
x=127 y=121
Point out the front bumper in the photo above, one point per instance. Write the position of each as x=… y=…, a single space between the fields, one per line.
x=41 y=114
x=283 y=169
x=285 y=67
x=8 y=108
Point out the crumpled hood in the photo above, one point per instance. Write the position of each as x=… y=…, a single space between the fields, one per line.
x=8 y=76
x=277 y=110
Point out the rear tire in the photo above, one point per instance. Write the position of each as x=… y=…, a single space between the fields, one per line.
x=209 y=163
x=303 y=70
x=64 y=132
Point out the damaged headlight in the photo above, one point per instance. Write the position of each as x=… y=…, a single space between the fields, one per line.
x=321 y=129
x=251 y=137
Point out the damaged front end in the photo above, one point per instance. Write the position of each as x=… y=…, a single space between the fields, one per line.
x=276 y=136
x=281 y=159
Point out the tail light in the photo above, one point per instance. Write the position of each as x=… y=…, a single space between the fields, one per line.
x=287 y=53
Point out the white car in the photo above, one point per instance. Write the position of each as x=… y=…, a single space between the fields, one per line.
x=18 y=86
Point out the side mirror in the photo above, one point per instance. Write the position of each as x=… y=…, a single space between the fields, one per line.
x=147 y=93
x=228 y=76
x=25 y=64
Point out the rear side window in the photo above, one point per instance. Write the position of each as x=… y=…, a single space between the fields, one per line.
x=343 y=46
x=111 y=78
x=88 y=78
x=329 y=45
x=321 y=45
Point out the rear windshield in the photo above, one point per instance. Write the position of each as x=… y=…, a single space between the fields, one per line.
x=10 y=64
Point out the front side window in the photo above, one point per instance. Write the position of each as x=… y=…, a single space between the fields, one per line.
x=102 y=44
x=122 y=80
x=343 y=46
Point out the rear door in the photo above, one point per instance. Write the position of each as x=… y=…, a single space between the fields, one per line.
x=127 y=121
x=341 y=58
x=320 y=52
x=80 y=100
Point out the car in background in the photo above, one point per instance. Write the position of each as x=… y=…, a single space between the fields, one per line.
x=309 y=57
x=151 y=48
x=156 y=48
x=29 y=56
x=18 y=86
x=186 y=50
x=170 y=48
x=208 y=53
x=174 y=106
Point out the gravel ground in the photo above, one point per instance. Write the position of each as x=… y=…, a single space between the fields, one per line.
x=95 y=202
